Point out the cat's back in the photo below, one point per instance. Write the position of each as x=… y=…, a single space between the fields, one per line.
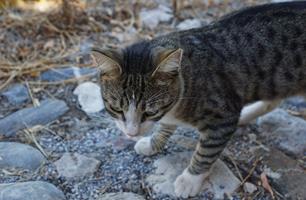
x=266 y=14
x=255 y=53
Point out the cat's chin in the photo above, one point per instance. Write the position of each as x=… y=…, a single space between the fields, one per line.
x=134 y=138
x=144 y=128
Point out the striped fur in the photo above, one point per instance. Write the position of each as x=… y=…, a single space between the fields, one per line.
x=254 y=54
x=160 y=138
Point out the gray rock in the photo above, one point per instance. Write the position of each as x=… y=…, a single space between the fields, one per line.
x=16 y=94
x=60 y=74
x=17 y=155
x=121 y=196
x=48 y=111
x=74 y=166
x=221 y=180
x=288 y=177
x=33 y=190
x=285 y=131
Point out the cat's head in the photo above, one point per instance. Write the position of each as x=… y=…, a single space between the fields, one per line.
x=139 y=84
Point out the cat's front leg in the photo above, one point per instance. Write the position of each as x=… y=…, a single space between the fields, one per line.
x=155 y=143
x=213 y=139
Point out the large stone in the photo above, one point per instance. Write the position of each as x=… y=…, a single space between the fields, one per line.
x=89 y=97
x=16 y=94
x=33 y=190
x=75 y=166
x=48 y=111
x=285 y=131
x=221 y=180
x=60 y=74
x=121 y=196
x=16 y=155
x=288 y=177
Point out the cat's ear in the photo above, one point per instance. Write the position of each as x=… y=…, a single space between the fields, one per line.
x=169 y=62
x=108 y=62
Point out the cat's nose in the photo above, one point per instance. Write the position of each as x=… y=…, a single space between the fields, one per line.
x=132 y=130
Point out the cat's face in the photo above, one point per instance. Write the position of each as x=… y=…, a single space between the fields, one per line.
x=134 y=98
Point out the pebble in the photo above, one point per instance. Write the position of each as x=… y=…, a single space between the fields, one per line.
x=60 y=74
x=189 y=24
x=48 y=111
x=16 y=94
x=32 y=190
x=74 y=165
x=151 y=18
x=89 y=97
x=121 y=196
x=285 y=131
x=221 y=181
x=249 y=187
x=17 y=155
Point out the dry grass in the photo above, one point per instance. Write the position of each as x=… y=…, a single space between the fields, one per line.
x=32 y=42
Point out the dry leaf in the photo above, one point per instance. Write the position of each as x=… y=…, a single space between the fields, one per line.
x=266 y=185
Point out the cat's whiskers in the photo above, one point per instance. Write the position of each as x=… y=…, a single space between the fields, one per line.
x=155 y=97
x=160 y=100
x=158 y=94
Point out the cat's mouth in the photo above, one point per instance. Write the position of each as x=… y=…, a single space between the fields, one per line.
x=135 y=132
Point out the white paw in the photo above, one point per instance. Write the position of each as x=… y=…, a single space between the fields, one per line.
x=144 y=147
x=188 y=185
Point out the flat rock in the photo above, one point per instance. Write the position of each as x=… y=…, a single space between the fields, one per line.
x=48 y=111
x=17 y=155
x=285 y=131
x=60 y=74
x=32 y=190
x=221 y=181
x=121 y=196
x=288 y=177
x=16 y=94
x=89 y=97
x=74 y=166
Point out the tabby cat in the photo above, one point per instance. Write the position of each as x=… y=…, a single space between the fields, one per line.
x=203 y=77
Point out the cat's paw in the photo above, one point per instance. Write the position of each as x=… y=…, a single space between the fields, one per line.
x=144 y=147
x=188 y=185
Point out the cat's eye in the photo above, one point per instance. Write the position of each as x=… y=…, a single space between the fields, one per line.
x=150 y=113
